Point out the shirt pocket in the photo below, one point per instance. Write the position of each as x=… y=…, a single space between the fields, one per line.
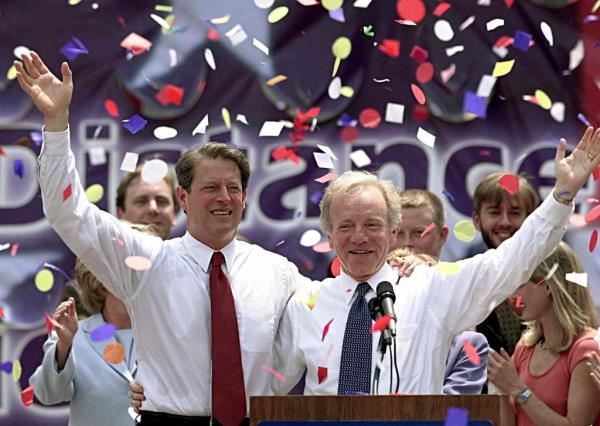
x=257 y=326
x=405 y=337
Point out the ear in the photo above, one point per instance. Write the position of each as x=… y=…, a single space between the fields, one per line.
x=331 y=246
x=444 y=234
x=243 y=199
x=182 y=198
x=476 y=221
x=120 y=213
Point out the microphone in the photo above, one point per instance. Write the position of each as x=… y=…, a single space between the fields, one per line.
x=386 y=298
x=376 y=313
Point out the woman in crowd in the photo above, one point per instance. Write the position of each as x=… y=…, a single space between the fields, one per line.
x=546 y=379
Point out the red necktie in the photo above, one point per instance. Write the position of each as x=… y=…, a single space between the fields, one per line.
x=228 y=393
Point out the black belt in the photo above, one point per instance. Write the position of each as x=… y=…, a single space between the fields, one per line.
x=153 y=418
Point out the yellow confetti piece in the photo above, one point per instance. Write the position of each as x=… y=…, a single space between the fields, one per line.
x=275 y=80
x=11 y=74
x=347 y=91
x=277 y=14
x=503 y=68
x=220 y=20
x=94 y=193
x=169 y=20
x=464 y=230
x=226 y=117
x=341 y=47
x=332 y=4
x=596 y=6
x=163 y=8
x=543 y=100
x=311 y=301
x=74 y=2
x=17 y=370
x=44 y=280
x=448 y=268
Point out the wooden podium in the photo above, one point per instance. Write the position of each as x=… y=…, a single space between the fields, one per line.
x=402 y=407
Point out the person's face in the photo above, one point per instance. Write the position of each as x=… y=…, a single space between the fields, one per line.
x=535 y=301
x=414 y=222
x=360 y=233
x=150 y=204
x=215 y=202
x=499 y=221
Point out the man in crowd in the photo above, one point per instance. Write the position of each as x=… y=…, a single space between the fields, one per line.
x=421 y=209
x=360 y=215
x=498 y=215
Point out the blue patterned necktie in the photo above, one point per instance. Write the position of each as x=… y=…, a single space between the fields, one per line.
x=355 y=365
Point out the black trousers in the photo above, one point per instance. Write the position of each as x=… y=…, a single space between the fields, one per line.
x=152 y=418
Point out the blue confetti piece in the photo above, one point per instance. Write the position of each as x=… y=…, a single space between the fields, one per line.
x=475 y=104
x=135 y=124
x=56 y=269
x=36 y=137
x=457 y=417
x=337 y=15
x=73 y=49
x=6 y=367
x=521 y=40
x=298 y=214
x=590 y=18
x=448 y=195
x=597 y=44
x=583 y=119
x=104 y=332
x=347 y=120
x=316 y=197
x=19 y=168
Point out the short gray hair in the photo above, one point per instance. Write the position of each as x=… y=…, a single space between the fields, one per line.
x=351 y=181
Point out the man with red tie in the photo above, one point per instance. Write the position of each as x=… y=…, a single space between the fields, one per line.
x=206 y=307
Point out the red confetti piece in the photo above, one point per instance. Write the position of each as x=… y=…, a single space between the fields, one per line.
x=308 y=115
x=441 y=8
x=427 y=230
x=593 y=240
x=412 y=10
x=471 y=353
x=418 y=93
x=326 y=329
x=503 y=41
x=322 y=247
x=67 y=193
x=510 y=183
x=326 y=178
x=390 y=47
x=420 y=113
x=213 y=35
x=424 y=72
x=335 y=266
x=322 y=374
x=381 y=323
x=274 y=372
x=27 y=396
x=369 y=118
x=14 y=249
x=1 y=313
x=280 y=154
x=170 y=94
x=509 y=3
x=418 y=54
x=349 y=134
x=111 y=108
x=596 y=174
x=592 y=215
x=49 y=323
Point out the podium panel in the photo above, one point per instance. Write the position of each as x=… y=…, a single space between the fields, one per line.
x=486 y=409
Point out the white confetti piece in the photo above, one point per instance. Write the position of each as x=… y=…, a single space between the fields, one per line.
x=360 y=158
x=448 y=73
x=201 y=126
x=576 y=55
x=335 y=87
x=327 y=151
x=494 y=24
x=97 y=156
x=242 y=119
x=164 y=132
x=154 y=171
x=394 y=113
x=323 y=160
x=310 y=238
x=160 y=21
x=236 y=35
x=551 y=272
x=172 y=58
x=264 y=4
x=260 y=46
x=547 y=31
x=467 y=22
x=271 y=128
x=4 y=246
x=557 y=111
x=486 y=85
x=577 y=278
x=451 y=51
x=426 y=137
x=210 y=59
x=129 y=162
x=362 y=4
x=443 y=30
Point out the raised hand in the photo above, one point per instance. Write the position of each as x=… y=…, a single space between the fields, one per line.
x=572 y=172
x=49 y=94
x=65 y=323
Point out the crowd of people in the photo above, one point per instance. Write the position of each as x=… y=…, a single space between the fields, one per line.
x=197 y=344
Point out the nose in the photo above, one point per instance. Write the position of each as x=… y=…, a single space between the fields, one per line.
x=359 y=236
x=223 y=193
x=404 y=241
x=504 y=219
x=152 y=205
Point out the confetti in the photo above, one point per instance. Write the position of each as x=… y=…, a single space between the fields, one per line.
x=335 y=87
x=360 y=158
x=332 y=4
x=592 y=215
x=577 y=278
x=136 y=44
x=466 y=23
x=19 y=168
x=547 y=32
x=312 y=300
x=390 y=47
x=27 y=396
x=596 y=174
x=521 y=41
x=447 y=74
x=326 y=177
x=424 y=72
x=593 y=240
x=394 y=113
x=17 y=370
x=44 y=280
x=418 y=54
x=411 y=10
x=274 y=372
x=271 y=128
x=475 y=104
x=542 y=99
x=381 y=323
x=337 y=15
x=464 y=231
x=426 y=137
x=94 y=193
x=210 y=59
x=471 y=353
x=448 y=268
x=260 y=46
x=326 y=329
x=310 y=237
x=114 y=353
x=336 y=266
x=49 y=323
x=322 y=374
x=557 y=111
x=368 y=30
x=510 y=183
x=103 y=332
x=503 y=68
x=428 y=229
x=201 y=126
x=135 y=124
x=154 y=171
x=111 y=108
x=322 y=247
x=369 y=118
x=129 y=162
x=549 y=274
x=341 y=49
x=221 y=20
x=276 y=80
x=67 y=192
x=170 y=94
x=236 y=35
x=418 y=94
x=486 y=85
x=576 y=55
x=73 y=49
x=443 y=30
x=160 y=21
x=441 y=8
x=277 y=14
x=457 y=417
x=6 y=366
x=362 y=4
x=583 y=119
x=494 y=24
x=451 y=51
x=264 y=4
x=241 y=118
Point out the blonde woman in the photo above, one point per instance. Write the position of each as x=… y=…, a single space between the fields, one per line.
x=547 y=380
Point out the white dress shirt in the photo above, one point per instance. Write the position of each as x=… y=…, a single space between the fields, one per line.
x=431 y=307
x=169 y=304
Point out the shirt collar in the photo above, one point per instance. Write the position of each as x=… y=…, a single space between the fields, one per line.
x=348 y=285
x=202 y=253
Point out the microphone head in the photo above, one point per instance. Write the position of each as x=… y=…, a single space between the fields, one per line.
x=374 y=308
x=385 y=289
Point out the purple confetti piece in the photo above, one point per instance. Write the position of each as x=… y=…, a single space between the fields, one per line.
x=316 y=197
x=457 y=417
x=104 y=332
x=298 y=214
x=346 y=120
x=135 y=124
x=448 y=195
x=19 y=168
x=337 y=15
x=36 y=137
x=583 y=119
x=56 y=269
x=6 y=367
x=590 y=18
x=475 y=104
x=597 y=44
x=73 y=49
x=521 y=40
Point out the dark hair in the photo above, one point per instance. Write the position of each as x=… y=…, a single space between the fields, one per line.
x=128 y=179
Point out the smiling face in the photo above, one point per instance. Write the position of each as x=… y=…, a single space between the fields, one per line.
x=498 y=221
x=215 y=202
x=360 y=231
x=414 y=222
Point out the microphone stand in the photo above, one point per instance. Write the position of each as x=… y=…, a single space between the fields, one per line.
x=381 y=348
